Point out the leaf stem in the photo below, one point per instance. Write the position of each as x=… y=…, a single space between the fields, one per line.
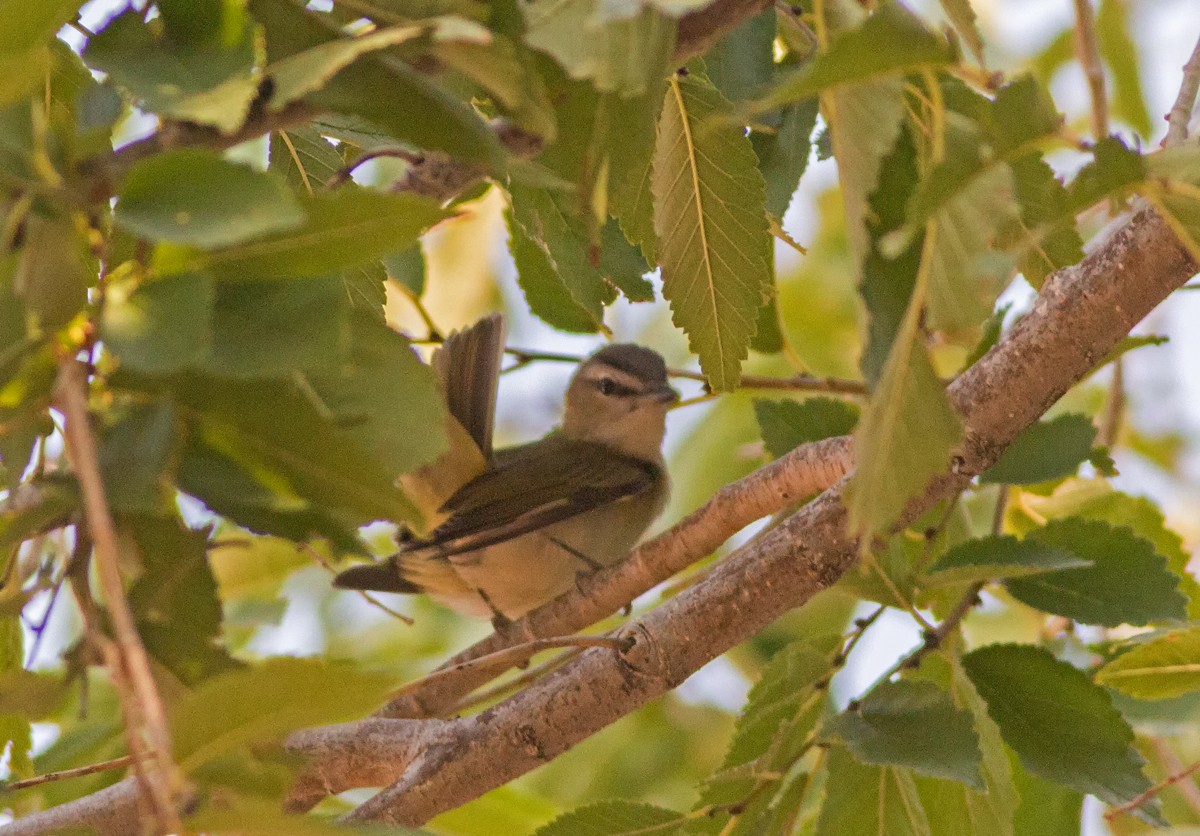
x=63 y=774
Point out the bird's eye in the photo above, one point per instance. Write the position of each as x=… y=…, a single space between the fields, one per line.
x=607 y=386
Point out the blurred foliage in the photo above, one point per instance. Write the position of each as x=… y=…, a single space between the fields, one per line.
x=255 y=316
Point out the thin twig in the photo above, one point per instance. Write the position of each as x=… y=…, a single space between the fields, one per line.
x=510 y=685
x=127 y=656
x=1185 y=102
x=1139 y=800
x=347 y=171
x=63 y=774
x=1087 y=50
x=799 y=382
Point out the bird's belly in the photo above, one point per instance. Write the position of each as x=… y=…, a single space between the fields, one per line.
x=523 y=573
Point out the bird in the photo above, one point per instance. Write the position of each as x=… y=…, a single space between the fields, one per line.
x=516 y=527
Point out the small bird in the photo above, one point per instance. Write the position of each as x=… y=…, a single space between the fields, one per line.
x=514 y=528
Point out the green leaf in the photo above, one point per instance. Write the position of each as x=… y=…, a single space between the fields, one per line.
x=1166 y=667
x=284 y=443
x=613 y=818
x=304 y=157
x=162 y=326
x=955 y=808
x=783 y=155
x=237 y=812
x=964 y=277
x=1062 y=727
x=408 y=269
x=787 y=693
x=905 y=435
x=962 y=16
x=713 y=241
x=226 y=712
x=990 y=336
x=24 y=52
x=137 y=447
x=272 y=329
x=1096 y=500
x=1120 y=52
x=1044 y=451
x=999 y=557
x=552 y=224
x=347 y=227
x=308 y=71
x=891 y=42
x=1045 y=219
x=1114 y=170
x=912 y=724
x=208 y=82
x=31 y=695
x=390 y=94
x=785 y=425
x=195 y=197
x=174 y=599
x=385 y=398
x=1046 y=809
x=16 y=741
x=52 y=276
x=1128 y=582
x=865 y=800
x=545 y=292
x=49 y=504
x=742 y=63
x=626 y=53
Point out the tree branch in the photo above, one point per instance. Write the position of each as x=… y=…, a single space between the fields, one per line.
x=1185 y=102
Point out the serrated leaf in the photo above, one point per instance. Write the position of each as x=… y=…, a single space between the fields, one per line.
x=891 y=42
x=613 y=818
x=226 y=712
x=408 y=269
x=905 y=436
x=713 y=241
x=1062 y=727
x=1047 y=229
x=1127 y=583
x=786 y=425
x=1044 y=451
x=545 y=292
x=347 y=227
x=999 y=557
x=304 y=158
x=1114 y=170
x=1096 y=500
x=174 y=599
x=870 y=800
x=195 y=197
x=308 y=71
x=911 y=724
x=1166 y=667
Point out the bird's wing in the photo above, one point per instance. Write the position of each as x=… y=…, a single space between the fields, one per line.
x=468 y=368
x=467 y=365
x=553 y=480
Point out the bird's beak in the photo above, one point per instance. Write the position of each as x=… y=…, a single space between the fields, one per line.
x=664 y=394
